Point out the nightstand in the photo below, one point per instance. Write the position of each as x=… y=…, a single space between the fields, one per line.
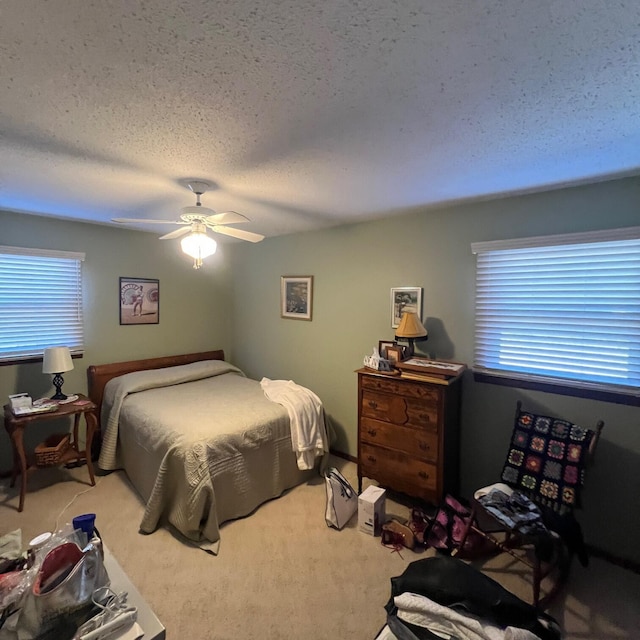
x=15 y=426
x=408 y=434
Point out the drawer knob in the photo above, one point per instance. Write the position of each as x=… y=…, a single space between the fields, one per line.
x=372 y=432
x=371 y=458
x=424 y=475
x=373 y=405
x=423 y=446
x=425 y=417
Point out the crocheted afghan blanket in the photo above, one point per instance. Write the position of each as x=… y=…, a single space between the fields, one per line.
x=546 y=460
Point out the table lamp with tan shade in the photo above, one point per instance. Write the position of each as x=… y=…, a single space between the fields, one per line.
x=410 y=329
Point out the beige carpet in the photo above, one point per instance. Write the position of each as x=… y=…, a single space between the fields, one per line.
x=281 y=572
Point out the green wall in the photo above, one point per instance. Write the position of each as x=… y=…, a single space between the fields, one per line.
x=194 y=305
x=234 y=303
x=354 y=268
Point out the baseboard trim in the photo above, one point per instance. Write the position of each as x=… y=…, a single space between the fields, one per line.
x=625 y=563
x=344 y=456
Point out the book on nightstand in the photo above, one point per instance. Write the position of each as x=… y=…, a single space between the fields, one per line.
x=42 y=408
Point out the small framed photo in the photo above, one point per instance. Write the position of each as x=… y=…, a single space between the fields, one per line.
x=395 y=354
x=296 y=297
x=383 y=345
x=139 y=301
x=405 y=299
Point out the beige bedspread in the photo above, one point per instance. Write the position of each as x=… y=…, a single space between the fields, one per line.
x=200 y=442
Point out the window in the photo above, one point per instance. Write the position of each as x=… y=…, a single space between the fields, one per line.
x=40 y=302
x=563 y=310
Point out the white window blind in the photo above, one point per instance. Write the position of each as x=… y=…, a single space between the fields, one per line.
x=40 y=302
x=561 y=309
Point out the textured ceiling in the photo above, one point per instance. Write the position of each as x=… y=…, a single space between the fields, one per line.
x=305 y=113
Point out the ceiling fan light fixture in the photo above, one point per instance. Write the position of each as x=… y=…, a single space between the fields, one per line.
x=199 y=246
x=195 y=220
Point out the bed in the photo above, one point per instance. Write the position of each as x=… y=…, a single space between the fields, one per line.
x=198 y=440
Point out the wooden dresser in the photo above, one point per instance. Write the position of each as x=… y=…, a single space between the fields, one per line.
x=408 y=434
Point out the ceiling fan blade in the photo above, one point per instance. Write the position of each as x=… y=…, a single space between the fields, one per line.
x=238 y=233
x=141 y=221
x=176 y=234
x=226 y=217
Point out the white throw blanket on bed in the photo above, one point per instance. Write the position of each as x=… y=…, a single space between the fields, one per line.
x=306 y=414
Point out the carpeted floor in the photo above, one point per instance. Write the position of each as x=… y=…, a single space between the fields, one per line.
x=281 y=572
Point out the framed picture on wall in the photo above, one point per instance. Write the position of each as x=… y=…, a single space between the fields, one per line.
x=139 y=301
x=296 y=297
x=405 y=299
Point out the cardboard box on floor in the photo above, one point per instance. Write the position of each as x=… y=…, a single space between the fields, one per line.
x=371 y=510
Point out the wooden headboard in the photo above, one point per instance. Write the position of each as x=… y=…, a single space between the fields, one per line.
x=99 y=375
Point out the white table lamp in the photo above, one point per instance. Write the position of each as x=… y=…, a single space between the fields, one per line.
x=57 y=360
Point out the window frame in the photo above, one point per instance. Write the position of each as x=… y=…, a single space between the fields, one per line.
x=66 y=332
x=533 y=379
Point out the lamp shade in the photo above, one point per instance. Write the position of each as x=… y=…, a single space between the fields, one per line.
x=57 y=360
x=410 y=326
x=198 y=245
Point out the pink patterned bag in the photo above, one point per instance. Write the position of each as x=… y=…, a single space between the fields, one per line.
x=447 y=528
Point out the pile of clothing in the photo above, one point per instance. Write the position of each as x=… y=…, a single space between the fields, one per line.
x=444 y=597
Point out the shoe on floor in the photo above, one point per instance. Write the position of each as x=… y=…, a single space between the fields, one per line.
x=394 y=530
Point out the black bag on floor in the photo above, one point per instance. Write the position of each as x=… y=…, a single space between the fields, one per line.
x=449 y=581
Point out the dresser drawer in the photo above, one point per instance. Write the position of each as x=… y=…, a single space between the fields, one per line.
x=419 y=443
x=403 y=388
x=399 y=409
x=398 y=470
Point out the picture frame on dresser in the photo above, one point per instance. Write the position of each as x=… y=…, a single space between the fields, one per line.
x=395 y=354
x=383 y=345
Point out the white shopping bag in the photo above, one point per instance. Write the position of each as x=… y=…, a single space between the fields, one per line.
x=342 y=499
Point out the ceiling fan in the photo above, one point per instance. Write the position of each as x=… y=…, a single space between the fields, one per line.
x=195 y=222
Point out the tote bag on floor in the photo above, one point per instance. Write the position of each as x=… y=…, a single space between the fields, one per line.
x=342 y=499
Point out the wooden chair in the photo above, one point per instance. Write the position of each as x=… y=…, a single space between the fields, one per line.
x=544 y=471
